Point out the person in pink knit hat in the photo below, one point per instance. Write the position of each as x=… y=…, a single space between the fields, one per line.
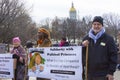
x=18 y=53
x=16 y=41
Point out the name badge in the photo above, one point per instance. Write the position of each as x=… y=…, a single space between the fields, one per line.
x=102 y=44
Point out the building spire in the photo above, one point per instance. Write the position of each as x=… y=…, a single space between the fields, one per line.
x=72 y=5
x=72 y=12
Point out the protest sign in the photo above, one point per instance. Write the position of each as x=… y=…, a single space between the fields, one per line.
x=59 y=63
x=6 y=66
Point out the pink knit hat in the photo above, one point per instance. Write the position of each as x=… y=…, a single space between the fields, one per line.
x=16 y=39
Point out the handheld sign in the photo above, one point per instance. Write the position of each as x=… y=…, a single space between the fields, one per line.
x=59 y=63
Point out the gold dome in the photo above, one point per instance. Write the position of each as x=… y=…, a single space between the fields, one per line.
x=72 y=9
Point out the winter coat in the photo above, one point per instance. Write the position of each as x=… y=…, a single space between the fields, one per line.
x=20 y=67
x=102 y=56
x=118 y=58
x=64 y=44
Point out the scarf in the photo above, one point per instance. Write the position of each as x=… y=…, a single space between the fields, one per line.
x=97 y=36
x=39 y=42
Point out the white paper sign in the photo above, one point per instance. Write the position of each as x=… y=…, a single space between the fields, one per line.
x=6 y=66
x=58 y=63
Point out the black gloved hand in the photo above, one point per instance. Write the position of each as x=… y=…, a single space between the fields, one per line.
x=16 y=56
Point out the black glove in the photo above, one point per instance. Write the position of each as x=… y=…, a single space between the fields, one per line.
x=16 y=56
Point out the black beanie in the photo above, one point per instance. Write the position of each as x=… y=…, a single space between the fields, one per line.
x=98 y=19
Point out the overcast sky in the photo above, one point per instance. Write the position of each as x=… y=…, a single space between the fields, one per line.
x=42 y=9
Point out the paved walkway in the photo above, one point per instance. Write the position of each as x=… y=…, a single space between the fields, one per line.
x=116 y=76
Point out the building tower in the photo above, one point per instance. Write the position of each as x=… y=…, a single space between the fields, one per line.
x=72 y=12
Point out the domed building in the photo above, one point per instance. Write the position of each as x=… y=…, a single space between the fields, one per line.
x=72 y=12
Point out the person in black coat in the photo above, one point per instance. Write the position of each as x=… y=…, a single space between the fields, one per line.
x=102 y=52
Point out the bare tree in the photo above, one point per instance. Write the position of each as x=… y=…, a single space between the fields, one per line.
x=112 y=22
x=57 y=31
x=14 y=20
x=84 y=26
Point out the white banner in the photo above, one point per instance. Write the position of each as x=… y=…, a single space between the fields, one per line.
x=58 y=63
x=6 y=66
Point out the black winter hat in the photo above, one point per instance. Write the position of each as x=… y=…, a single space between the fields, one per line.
x=98 y=19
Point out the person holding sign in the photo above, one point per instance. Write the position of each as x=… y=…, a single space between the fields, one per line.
x=101 y=50
x=43 y=41
x=19 y=53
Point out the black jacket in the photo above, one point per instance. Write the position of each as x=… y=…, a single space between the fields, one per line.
x=102 y=56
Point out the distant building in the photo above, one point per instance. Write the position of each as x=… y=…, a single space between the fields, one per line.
x=72 y=12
